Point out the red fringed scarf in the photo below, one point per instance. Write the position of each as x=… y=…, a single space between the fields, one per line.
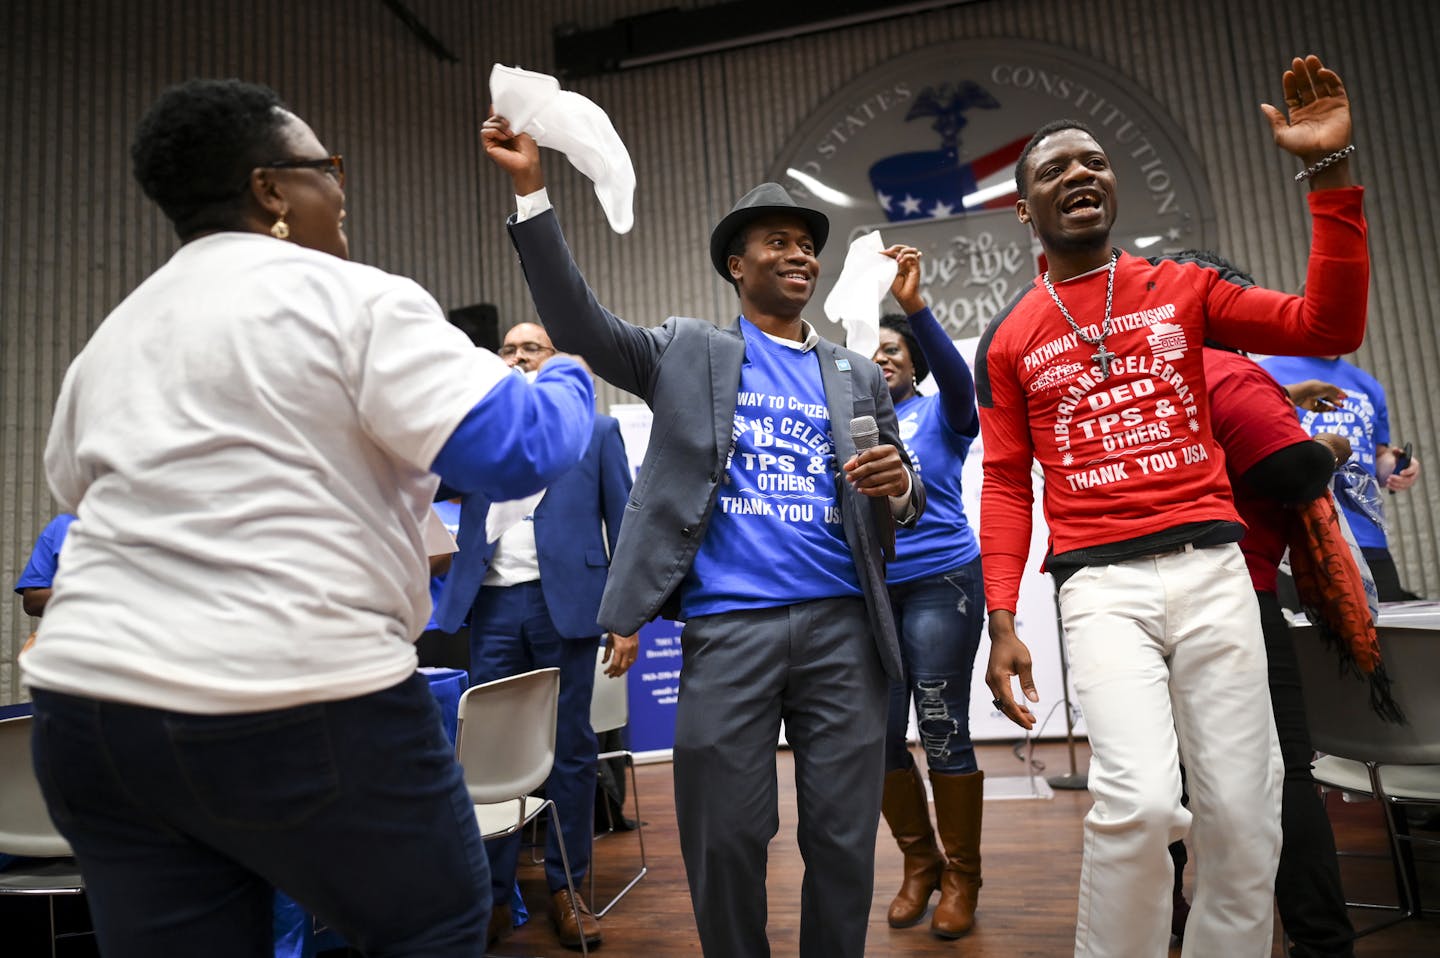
x=1333 y=596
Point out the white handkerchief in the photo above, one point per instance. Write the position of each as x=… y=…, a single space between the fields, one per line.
x=502 y=515
x=855 y=299
x=575 y=126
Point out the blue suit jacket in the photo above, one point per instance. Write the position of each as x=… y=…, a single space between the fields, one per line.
x=577 y=526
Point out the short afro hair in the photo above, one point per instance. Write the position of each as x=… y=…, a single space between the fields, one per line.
x=897 y=323
x=1054 y=126
x=196 y=145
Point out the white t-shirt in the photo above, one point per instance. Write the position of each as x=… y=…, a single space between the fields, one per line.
x=246 y=440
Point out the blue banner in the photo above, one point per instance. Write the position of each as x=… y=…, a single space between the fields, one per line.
x=654 y=687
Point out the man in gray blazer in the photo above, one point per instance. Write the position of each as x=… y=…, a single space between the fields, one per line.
x=744 y=524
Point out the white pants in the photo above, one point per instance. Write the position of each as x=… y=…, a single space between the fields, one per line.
x=1166 y=654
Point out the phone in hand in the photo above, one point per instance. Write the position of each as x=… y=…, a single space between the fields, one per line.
x=1402 y=460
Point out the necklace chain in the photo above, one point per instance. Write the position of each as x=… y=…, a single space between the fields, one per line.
x=1103 y=356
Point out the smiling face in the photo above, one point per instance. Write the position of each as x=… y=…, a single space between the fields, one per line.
x=312 y=199
x=893 y=358
x=776 y=273
x=1070 y=201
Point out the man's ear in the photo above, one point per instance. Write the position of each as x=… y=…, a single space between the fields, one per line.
x=1022 y=212
x=737 y=269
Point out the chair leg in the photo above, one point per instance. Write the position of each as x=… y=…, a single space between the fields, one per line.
x=640 y=833
x=54 y=942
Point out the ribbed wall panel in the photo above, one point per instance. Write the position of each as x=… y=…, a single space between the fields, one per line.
x=76 y=235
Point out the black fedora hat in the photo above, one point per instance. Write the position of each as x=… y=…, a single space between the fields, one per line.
x=767 y=199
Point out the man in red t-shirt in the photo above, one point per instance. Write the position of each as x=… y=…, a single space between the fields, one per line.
x=1096 y=372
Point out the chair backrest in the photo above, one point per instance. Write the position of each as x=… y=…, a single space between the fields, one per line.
x=610 y=703
x=25 y=825
x=506 y=738
x=1337 y=704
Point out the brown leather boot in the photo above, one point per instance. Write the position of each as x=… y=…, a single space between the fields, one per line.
x=907 y=812
x=958 y=803
x=570 y=925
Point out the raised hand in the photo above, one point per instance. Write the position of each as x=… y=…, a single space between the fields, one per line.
x=1317 y=118
x=515 y=153
x=906 y=287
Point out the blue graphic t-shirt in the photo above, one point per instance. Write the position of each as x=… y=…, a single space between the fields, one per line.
x=775 y=536
x=943 y=539
x=1363 y=418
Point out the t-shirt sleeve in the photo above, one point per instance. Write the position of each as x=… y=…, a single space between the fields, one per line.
x=1006 y=494
x=416 y=376
x=1329 y=318
x=44 y=561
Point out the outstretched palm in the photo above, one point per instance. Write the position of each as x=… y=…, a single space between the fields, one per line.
x=1319 y=111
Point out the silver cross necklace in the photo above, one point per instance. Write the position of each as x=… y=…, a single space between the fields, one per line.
x=1104 y=357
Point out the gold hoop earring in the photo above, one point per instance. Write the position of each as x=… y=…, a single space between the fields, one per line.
x=281 y=229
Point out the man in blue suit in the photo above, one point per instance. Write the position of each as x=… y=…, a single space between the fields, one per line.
x=535 y=570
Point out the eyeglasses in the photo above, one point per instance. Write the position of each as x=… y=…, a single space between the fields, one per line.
x=334 y=166
x=529 y=349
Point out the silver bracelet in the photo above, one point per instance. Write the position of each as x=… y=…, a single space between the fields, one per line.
x=1324 y=163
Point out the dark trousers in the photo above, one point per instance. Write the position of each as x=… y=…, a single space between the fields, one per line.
x=183 y=823
x=1386 y=575
x=938 y=619
x=1307 y=886
x=814 y=665
x=511 y=633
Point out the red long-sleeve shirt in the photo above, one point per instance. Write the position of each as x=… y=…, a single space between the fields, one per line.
x=1133 y=454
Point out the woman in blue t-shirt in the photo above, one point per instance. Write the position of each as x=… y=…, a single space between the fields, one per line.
x=937 y=595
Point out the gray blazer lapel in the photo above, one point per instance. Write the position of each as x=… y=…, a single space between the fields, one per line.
x=727 y=354
x=839 y=399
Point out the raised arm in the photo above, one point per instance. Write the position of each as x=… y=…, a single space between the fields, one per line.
x=952 y=377
x=1330 y=318
x=620 y=353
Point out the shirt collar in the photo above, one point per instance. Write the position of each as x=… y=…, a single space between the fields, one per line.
x=809 y=339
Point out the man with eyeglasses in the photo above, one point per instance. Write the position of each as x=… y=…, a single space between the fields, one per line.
x=534 y=570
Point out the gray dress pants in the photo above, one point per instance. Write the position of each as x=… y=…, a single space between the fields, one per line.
x=814 y=665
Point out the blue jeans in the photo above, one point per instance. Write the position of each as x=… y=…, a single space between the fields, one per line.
x=511 y=633
x=182 y=823
x=938 y=619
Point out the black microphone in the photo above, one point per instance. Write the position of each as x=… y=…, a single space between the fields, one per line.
x=866 y=433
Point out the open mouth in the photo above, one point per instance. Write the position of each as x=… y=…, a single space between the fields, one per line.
x=1082 y=202
x=796 y=276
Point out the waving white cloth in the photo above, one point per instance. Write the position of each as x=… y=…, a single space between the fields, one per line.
x=573 y=125
x=854 y=302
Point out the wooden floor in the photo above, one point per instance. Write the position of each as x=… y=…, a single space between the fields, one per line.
x=1031 y=853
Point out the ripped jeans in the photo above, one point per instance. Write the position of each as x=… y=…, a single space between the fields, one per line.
x=938 y=619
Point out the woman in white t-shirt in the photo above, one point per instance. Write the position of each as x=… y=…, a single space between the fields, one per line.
x=224 y=681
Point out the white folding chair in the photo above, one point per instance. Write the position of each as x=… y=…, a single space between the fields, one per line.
x=27 y=831
x=610 y=710
x=1364 y=755
x=506 y=746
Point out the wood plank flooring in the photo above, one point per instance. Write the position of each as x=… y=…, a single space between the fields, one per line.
x=1031 y=853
